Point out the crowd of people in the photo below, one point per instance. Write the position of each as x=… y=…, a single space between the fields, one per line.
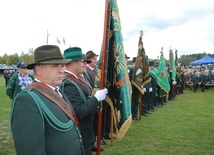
x=202 y=78
x=154 y=96
x=55 y=110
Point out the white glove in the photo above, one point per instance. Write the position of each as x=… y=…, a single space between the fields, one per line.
x=150 y=89
x=174 y=82
x=144 y=90
x=138 y=71
x=101 y=94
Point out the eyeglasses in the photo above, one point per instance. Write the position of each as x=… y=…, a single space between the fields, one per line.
x=23 y=68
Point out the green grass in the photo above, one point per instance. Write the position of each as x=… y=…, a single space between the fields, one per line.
x=6 y=140
x=181 y=127
x=184 y=126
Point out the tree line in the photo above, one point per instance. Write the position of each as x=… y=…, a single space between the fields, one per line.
x=187 y=59
x=14 y=58
x=28 y=58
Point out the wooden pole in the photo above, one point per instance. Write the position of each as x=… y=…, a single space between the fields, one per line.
x=102 y=76
x=112 y=128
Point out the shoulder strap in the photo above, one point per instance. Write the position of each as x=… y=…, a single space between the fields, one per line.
x=91 y=73
x=51 y=119
x=88 y=78
x=83 y=97
x=56 y=98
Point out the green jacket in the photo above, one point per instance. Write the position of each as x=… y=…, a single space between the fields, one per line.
x=36 y=132
x=13 y=88
x=84 y=106
x=195 y=79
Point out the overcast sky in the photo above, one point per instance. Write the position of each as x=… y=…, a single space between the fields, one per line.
x=187 y=25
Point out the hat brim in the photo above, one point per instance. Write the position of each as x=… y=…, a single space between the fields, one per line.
x=77 y=59
x=64 y=61
x=22 y=66
x=88 y=61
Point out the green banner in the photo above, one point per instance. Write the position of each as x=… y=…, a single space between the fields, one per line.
x=117 y=79
x=163 y=80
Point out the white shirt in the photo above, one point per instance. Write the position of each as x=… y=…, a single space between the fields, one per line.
x=54 y=88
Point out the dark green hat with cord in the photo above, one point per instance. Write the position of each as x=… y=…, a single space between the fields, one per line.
x=74 y=53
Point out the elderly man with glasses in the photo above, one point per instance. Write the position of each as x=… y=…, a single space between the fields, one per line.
x=19 y=80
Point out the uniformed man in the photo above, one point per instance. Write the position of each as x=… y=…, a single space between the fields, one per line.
x=80 y=96
x=153 y=73
x=92 y=67
x=42 y=120
x=196 y=80
x=135 y=93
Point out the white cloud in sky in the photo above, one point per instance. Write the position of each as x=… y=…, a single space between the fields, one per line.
x=187 y=25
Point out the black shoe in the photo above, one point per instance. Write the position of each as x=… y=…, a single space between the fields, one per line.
x=135 y=118
x=152 y=110
x=94 y=149
x=103 y=142
x=108 y=137
x=144 y=115
x=146 y=112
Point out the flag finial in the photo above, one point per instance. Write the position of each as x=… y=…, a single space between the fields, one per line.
x=141 y=33
x=161 y=52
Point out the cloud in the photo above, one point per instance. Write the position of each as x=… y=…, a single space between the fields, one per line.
x=186 y=25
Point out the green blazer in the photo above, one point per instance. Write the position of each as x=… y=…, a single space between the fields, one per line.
x=196 y=79
x=84 y=106
x=35 y=133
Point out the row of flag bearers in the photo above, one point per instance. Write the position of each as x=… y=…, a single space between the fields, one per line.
x=153 y=82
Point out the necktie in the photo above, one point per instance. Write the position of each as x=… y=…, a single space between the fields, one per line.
x=57 y=90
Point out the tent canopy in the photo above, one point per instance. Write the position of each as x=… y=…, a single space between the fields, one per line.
x=203 y=61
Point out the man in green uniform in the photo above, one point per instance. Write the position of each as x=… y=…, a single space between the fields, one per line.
x=80 y=95
x=91 y=67
x=196 y=79
x=135 y=94
x=153 y=73
x=43 y=121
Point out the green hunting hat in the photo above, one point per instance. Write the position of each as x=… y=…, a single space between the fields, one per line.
x=91 y=54
x=74 y=53
x=47 y=54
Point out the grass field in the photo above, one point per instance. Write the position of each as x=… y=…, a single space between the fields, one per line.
x=181 y=127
